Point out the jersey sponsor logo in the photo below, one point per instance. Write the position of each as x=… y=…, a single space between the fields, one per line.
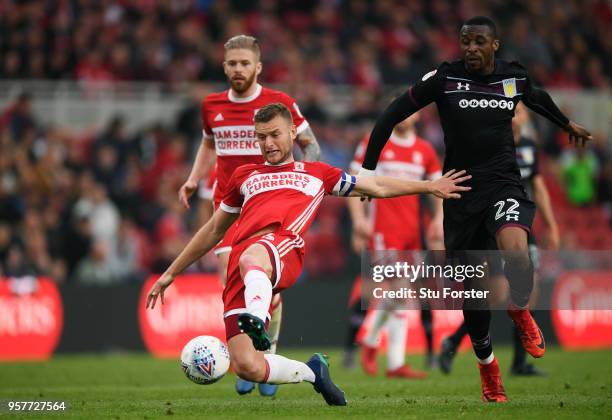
x=257 y=184
x=404 y=170
x=464 y=86
x=219 y=117
x=428 y=75
x=509 y=87
x=236 y=140
x=486 y=103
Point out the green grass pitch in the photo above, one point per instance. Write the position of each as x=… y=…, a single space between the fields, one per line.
x=133 y=386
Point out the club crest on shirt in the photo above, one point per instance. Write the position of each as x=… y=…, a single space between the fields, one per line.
x=417 y=157
x=298 y=167
x=389 y=154
x=509 y=87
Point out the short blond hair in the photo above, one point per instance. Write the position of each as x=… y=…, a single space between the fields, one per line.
x=243 y=42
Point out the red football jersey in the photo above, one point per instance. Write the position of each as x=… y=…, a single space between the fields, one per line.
x=283 y=196
x=412 y=158
x=229 y=121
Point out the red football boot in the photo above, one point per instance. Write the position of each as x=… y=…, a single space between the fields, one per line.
x=406 y=372
x=530 y=334
x=368 y=359
x=490 y=378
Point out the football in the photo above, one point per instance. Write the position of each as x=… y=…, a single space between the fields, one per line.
x=205 y=360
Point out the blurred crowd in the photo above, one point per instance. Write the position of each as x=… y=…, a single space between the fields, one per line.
x=101 y=207
x=363 y=43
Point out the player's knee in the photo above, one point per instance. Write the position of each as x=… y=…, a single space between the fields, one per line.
x=249 y=259
x=517 y=261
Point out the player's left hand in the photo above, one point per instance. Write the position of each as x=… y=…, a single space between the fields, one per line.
x=158 y=290
x=447 y=185
x=578 y=135
x=553 y=239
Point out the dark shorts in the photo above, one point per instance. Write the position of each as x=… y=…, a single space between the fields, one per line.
x=477 y=230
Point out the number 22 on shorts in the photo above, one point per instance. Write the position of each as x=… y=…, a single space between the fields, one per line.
x=511 y=213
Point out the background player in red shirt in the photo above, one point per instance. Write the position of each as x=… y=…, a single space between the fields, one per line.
x=277 y=202
x=229 y=136
x=394 y=225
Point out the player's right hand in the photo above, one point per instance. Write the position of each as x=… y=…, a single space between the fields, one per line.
x=554 y=239
x=158 y=289
x=447 y=186
x=362 y=232
x=358 y=243
x=186 y=191
x=578 y=135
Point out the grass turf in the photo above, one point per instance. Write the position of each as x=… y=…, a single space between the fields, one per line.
x=578 y=385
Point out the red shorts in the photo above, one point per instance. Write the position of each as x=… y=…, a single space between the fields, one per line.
x=286 y=251
x=385 y=241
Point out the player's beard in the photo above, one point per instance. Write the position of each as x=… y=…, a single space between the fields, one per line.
x=242 y=85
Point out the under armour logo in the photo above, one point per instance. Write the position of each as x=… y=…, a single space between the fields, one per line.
x=462 y=86
x=513 y=217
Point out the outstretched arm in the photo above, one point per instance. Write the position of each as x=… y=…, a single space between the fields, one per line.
x=540 y=101
x=400 y=109
x=309 y=145
x=444 y=187
x=203 y=241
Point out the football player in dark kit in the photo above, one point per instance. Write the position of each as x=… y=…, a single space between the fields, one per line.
x=476 y=97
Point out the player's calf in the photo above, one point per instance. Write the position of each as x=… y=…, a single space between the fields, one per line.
x=247 y=363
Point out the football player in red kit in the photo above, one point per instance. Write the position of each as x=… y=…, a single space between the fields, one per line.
x=394 y=225
x=276 y=202
x=229 y=135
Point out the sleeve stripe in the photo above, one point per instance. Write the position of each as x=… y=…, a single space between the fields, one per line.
x=299 y=129
x=350 y=188
x=229 y=209
x=342 y=181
